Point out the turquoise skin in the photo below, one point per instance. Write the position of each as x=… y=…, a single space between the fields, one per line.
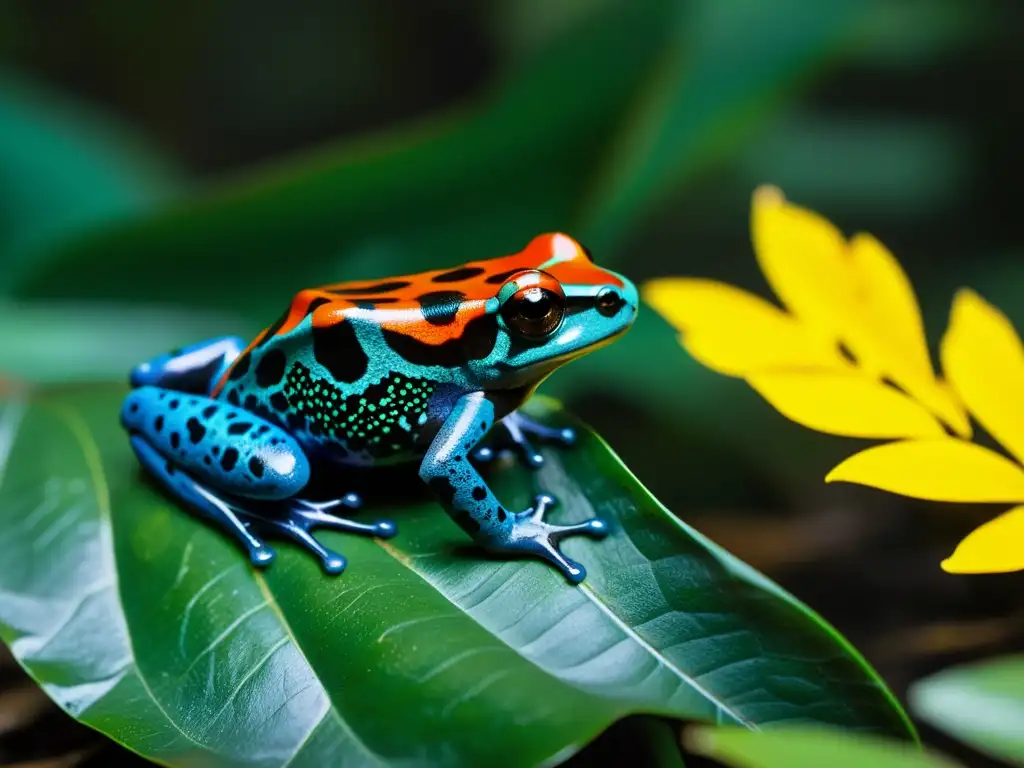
x=415 y=369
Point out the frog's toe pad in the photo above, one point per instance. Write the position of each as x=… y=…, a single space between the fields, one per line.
x=334 y=563
x=261 y=557
x=532 y=536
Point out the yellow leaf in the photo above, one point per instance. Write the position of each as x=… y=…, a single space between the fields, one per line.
x=885 y=332
x=803 y=257
x=983 y=359
x=845 y=404
x=995 y=547
x=735 y=332
x=883 y=294
x=945 y=469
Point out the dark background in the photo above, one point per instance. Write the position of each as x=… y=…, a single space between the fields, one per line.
x=905 y=121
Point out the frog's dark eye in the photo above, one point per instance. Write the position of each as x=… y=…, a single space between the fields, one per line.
x=587 y=253
x=534 y=312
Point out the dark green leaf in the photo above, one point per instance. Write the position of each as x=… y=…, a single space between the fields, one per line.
x=726 y=67
x=981 y=704
x=65 y=169
x=153 y=628
x=474 y=183
x=808 y=748
x=631 y=98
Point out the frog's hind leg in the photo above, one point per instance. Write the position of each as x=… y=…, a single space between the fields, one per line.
x=518 y=428
x=194 y=369
x=303 y=516
x=235 y=467
x=187 y=490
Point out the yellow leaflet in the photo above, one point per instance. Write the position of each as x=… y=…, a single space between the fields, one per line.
x=944 y=469
x=886 y=299
x=885 y=332
x=803 y=257
x=735 y=332
x=995 y=547
x=983 y=359
x=845 y=404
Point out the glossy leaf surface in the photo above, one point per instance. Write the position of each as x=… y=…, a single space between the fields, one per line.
x=981 y=704
x=153 y=628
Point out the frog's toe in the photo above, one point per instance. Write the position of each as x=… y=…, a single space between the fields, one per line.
x=532 y=536
x=314 y=514
x=332 y=562
x=262 y=556
x=566 y=436
x=518 y=431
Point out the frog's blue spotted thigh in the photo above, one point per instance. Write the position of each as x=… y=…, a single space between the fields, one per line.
x=218 y=444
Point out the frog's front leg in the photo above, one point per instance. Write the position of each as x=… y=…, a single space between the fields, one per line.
x=470 y=503
x=236 y=468
x=518 y=428
x=195 y=368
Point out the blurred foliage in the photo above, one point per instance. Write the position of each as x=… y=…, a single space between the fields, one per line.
x=808 y=748
x=981 y=704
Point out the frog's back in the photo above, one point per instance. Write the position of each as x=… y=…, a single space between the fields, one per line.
x=369 y=370
x=366 y=371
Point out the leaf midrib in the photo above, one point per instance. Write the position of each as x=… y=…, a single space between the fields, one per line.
x=407 y=561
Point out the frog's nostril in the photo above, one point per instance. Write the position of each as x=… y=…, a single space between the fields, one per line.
x=609 y=302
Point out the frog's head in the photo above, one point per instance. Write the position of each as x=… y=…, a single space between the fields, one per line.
x=555 y=304
x=507 y=322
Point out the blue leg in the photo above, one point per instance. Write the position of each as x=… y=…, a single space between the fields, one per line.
x=236 y=468
x=470 y=503
x=194 y=369
x=518 y=429
x=196 y=496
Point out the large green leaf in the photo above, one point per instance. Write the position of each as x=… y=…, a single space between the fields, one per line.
x=151 y=627
x=981 y=704
x=808 y=748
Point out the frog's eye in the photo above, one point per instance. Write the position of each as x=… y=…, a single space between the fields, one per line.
x=534 y=312
x=587 y=253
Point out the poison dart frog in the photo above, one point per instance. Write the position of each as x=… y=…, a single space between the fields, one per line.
x=366 y=374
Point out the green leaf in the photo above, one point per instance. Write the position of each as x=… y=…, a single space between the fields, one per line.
x=727 y=66
x=618 y=103
x=807 y=748
x=981 y=704
x=49 y=342
x=65 y=168
x=476 y=182
x=153 y=628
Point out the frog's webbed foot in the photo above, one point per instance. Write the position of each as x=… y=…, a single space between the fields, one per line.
x=229 y=515
x=530 y=535
x=303 y=516
x=517 y=432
